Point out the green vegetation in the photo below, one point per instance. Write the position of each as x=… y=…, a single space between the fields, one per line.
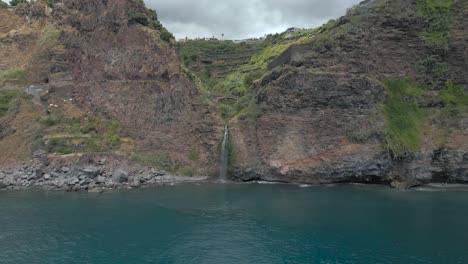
x=212 y=61
x=49 y=37
x=237 y=84
x=154 y=159
x=403 y=118
x=455 y=100
x=359 y=135
x=85 y=134
x=51 y=3
x=12 y=75
x=17 y=2
x=7 y=100
x=435 y=69
x=193 y=155
x=149 y=18
x=3 y=5
x=437 y=16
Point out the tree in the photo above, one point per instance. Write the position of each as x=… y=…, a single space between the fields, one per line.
x=3 y=5
x=17 y=2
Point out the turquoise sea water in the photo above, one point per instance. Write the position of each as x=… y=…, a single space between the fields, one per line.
x=231 y=223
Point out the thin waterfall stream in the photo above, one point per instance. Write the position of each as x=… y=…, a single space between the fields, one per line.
x=224 y=155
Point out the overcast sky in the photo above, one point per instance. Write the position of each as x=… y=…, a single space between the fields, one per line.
x=239 y=19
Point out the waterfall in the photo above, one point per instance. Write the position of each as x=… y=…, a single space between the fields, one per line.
x=224 y=155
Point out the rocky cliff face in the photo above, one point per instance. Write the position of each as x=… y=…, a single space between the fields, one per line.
x=111 y=59
x=377 y=96
x=322 y=118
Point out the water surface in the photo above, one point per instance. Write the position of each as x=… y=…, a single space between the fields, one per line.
x=235 y=224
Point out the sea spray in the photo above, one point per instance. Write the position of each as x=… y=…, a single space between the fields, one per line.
x=224 y=155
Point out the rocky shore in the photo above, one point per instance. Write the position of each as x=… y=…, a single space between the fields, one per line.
x=92 y=175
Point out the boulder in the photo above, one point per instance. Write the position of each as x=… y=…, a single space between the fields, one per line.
x=100 y=179
x=91 y=171
x=2 y=186
x=135 y=183
x=404 y=185
x=120 y=176
x=95 y=190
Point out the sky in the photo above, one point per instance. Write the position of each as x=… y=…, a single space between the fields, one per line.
x=240 y=19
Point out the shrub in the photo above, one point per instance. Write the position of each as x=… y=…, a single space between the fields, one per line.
x=166 y=35
x=51 y=3
x=17 y=2
x=251 y=77
x=437 y=70
x=60 y=146
x=437 y=16
x=193 y=155
x=13 y=74
x=138 y=18
x=359 y=135
x=49 y=37
x=50 y=122
x=7 y=100
x=455 y=100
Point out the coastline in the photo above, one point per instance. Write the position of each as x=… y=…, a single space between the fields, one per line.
x=100 y=174
x=86 y=173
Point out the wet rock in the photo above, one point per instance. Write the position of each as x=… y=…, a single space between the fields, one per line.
x=95 y=190
x=2 y=186
x=404 y=185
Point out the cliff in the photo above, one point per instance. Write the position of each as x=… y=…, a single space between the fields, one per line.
x=369 y=98
x=107 y=79
x=376 y=96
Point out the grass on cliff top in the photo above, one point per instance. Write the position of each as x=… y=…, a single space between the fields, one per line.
x=7 y=100
x=403 y=118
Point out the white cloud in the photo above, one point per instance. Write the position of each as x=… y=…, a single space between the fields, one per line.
x=244 y=18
